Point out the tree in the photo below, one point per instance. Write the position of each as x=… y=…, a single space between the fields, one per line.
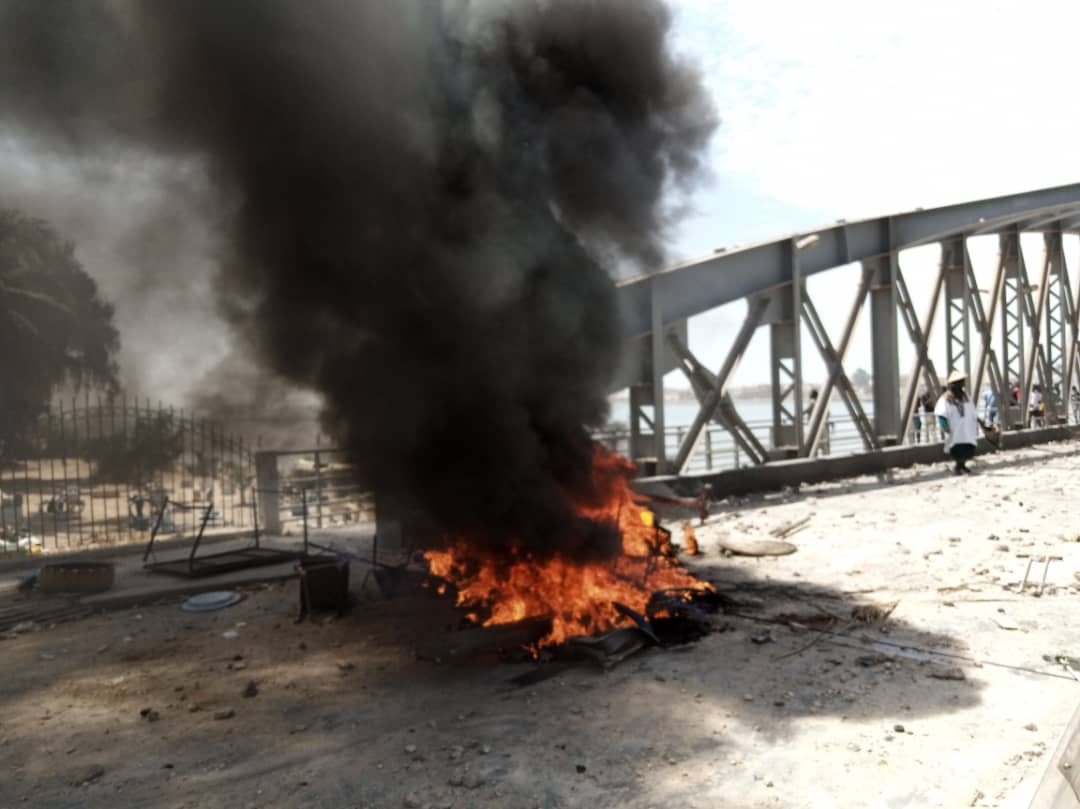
x=861 y=379
x=55 y=329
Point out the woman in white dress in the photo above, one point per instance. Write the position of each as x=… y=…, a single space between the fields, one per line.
x=956 y=416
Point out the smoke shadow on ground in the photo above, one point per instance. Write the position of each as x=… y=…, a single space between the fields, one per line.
x=342 y=702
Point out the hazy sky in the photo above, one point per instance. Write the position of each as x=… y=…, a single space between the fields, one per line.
x=838 y=109
x=830 y=110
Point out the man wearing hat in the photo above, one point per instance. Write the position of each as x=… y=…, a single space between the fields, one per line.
x=956 y=414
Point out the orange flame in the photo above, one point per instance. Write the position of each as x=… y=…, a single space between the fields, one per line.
x=577 y=596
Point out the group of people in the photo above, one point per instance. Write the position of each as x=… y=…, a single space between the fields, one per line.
x=959 y=423
x=1036 y=415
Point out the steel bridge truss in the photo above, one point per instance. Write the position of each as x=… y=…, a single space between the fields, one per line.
x=1034 y=321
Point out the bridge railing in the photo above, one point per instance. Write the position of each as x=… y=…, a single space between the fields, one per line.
x=717 y=450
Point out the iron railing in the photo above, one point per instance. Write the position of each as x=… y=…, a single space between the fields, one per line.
x=90 y=474
x=717 y=450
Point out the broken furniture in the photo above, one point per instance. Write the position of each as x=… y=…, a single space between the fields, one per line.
x=1045 y=560
x=195 y=566
x=324 y=585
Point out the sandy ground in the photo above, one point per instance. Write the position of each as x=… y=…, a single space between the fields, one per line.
x=768 y=712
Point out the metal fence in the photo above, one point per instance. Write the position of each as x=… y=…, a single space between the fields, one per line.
x=717 y=450
x=96 y=473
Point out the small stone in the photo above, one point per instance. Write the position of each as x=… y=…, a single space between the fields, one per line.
x=474 y=780
x=748 y=697
x=456 y=752
x=485 y=749
x=947 y=673
x=762 y=637
x=580 y=768
x=1031 y=726
x=456 y=779
x=898 y=728
x=412 y=801
x=89 y=775
x=251 y=689
x=345 y=665
x=869 y=661
x=225 y=713
x=410 y=748
x=149 y=714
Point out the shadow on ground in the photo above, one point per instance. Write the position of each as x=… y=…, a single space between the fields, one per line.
x=345 y=715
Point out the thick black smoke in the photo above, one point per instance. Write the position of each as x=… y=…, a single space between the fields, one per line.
x=427 y=199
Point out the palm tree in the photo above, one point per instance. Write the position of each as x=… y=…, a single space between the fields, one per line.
x=55 y=329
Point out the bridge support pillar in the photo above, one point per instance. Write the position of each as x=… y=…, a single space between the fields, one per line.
x=783 y=317
x=886 y=357
x=648 y=360
x=1012 y=327
x=957 y=329
x=1058 y=318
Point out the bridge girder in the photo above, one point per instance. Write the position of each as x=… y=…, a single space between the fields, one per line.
x=1038 y=328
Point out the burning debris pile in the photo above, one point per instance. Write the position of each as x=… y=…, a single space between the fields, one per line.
x=579 y=598
x=428 y=201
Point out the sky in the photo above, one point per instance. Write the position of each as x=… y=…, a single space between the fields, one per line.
x=830 y=110
x=838 y=109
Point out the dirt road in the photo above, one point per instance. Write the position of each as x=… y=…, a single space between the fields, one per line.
x=243 y=708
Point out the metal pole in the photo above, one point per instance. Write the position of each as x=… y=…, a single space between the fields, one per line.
x=659 y=350
x=303 y=501
x=318 y=490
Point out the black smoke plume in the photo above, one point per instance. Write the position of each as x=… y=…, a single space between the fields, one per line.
x=426 y=201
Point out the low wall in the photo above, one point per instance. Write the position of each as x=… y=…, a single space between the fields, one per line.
x=778 y=474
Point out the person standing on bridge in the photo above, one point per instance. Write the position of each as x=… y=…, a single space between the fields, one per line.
x=956 y=416
x=990 y=406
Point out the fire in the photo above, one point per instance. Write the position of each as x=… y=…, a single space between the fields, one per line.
x=579 y=597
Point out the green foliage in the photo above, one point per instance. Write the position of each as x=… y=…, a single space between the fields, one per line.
x=55 y=328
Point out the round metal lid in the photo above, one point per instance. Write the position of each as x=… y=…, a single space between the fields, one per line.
x=207 y=602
